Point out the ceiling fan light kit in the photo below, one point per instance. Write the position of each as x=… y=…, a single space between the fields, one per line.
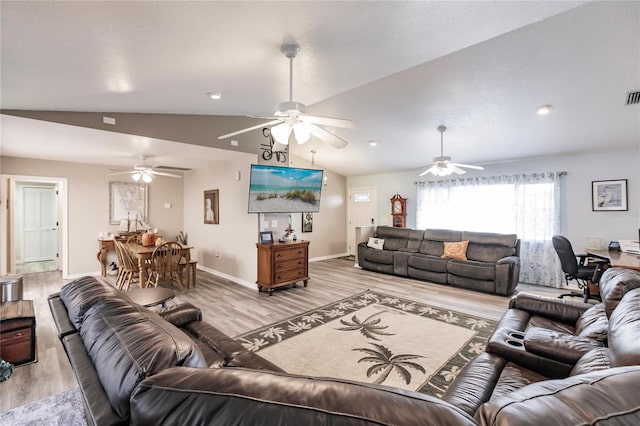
x=291 y=120
x=442 y=165
x=144 y=172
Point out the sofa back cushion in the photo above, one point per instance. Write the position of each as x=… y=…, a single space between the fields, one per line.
x=433 y=242
x=128 y=343
x=415 y=240
x=490 y=247
x=394 y=238
x=596 y=359
x=81 y=294
x=624 y=331
x=614 y=283
x=577 y=400
x=593 y=323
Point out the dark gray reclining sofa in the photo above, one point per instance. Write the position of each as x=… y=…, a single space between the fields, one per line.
x=492 y=265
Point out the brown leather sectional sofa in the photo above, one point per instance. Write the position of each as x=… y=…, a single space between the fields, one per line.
x=135 y=366
x=492 y=264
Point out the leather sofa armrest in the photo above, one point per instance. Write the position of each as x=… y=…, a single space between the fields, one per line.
x=181 y=315
x=60 y=316
x=561 y=347
x=507 y=274
x=562 y=310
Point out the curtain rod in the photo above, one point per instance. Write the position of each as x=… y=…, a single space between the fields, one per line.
x=422 y=182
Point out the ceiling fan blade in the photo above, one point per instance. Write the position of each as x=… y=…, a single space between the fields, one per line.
x=248 y=129
x=468 y=166
x=328 y=137
x=456 y=169
x=165 y=174
x=122 y=173
x=429 y=170
x=328 y=121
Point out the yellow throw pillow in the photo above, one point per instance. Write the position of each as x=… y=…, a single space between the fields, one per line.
x=456 y=250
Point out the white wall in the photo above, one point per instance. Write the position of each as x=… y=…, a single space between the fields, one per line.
x=578 y=221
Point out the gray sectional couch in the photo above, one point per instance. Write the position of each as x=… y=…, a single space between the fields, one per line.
x=492 y=265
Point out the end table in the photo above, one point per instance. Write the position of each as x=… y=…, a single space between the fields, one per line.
x=18 y=332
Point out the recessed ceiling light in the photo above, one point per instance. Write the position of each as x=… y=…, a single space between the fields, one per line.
x=373 y=143
x=215 y=95
x=544 y=110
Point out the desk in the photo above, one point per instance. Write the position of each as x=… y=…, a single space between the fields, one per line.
x=619 y=259
x=143 y=254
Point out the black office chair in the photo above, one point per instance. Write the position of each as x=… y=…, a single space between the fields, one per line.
x=583 y=268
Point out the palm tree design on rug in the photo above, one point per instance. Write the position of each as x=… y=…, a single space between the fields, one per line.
x=385 y=361
x=368 y=327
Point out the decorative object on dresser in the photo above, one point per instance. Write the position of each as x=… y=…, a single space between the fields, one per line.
x=281 y=264
x=212 y=207
x=398 y=211
x=18 y=332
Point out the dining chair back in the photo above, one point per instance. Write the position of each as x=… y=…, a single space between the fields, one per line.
x=128 y=271
x=165 y=259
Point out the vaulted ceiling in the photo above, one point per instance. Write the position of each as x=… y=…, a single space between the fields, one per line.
x=398 y=69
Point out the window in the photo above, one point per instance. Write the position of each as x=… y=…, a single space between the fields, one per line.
x=526 y=205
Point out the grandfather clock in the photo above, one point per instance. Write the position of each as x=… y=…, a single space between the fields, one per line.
x=399 y=211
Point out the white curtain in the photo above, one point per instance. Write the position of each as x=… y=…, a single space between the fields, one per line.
x=526 y=204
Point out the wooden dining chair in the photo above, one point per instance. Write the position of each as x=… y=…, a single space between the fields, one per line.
x=128 y=271
x=165 y=259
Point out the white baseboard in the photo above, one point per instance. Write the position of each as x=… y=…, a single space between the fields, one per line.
x=229 y=277
x=332 y=256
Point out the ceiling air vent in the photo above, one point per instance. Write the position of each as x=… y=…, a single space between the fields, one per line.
x=633 y=98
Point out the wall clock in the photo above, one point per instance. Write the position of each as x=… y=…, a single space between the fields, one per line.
x=398 y=211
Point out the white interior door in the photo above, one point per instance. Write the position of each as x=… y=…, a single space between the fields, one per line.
x=362 y=212
x=39 y=223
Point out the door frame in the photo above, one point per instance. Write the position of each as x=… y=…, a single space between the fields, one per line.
x=375 y=217
x=7 y=195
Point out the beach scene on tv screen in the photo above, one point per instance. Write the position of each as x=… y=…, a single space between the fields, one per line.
x=284 y=189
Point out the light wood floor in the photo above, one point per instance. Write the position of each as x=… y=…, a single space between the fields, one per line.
x=235 y=309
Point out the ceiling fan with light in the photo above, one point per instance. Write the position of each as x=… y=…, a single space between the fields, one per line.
x=290 y=119
x=144 y=172
x=442 y=165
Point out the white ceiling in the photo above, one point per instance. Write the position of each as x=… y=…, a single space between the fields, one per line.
x=399 y=69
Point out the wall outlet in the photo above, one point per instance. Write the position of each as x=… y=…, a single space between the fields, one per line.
x=217 y=255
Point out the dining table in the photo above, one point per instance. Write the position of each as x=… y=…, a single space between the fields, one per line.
x=143 y=254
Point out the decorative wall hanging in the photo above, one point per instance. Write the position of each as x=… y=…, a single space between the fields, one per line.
x=127 y=202
x=307 y=222
x=609 y=195
x=211 y=207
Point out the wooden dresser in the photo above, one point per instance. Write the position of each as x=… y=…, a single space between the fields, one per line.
x=281 y=264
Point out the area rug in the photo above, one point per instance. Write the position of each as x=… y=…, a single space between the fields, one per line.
x=63 y=409
x=376 y=338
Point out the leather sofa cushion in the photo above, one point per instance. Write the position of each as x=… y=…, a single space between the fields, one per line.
x=434 y=238
x=180 y=315
x=562 y=310
x=614 y=283
x=428 y=263
x=81 y=294
x=593 y=324
x=239 y=396
x=551 y=324
x=468 y=268
x=514 y=377
x=596 y=359
x=624 y=331
x=127 y=343
x=432 y=248
x=384 y=257
x=562 y=347
x=581 y=399
x=415 y=240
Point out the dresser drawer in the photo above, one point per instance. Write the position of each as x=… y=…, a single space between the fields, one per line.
x=289 y=275
x=284 y=265
x=291 y=253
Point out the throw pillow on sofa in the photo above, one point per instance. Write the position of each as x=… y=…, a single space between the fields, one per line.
x=376 y=243
x=457 y=250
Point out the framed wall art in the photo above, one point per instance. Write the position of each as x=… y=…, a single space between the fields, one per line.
x=609 y=195
x=127 y=201
x=211 y=207
x=307 y=222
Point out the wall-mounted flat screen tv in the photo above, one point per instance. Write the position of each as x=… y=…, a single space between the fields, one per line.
x=276 y=189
